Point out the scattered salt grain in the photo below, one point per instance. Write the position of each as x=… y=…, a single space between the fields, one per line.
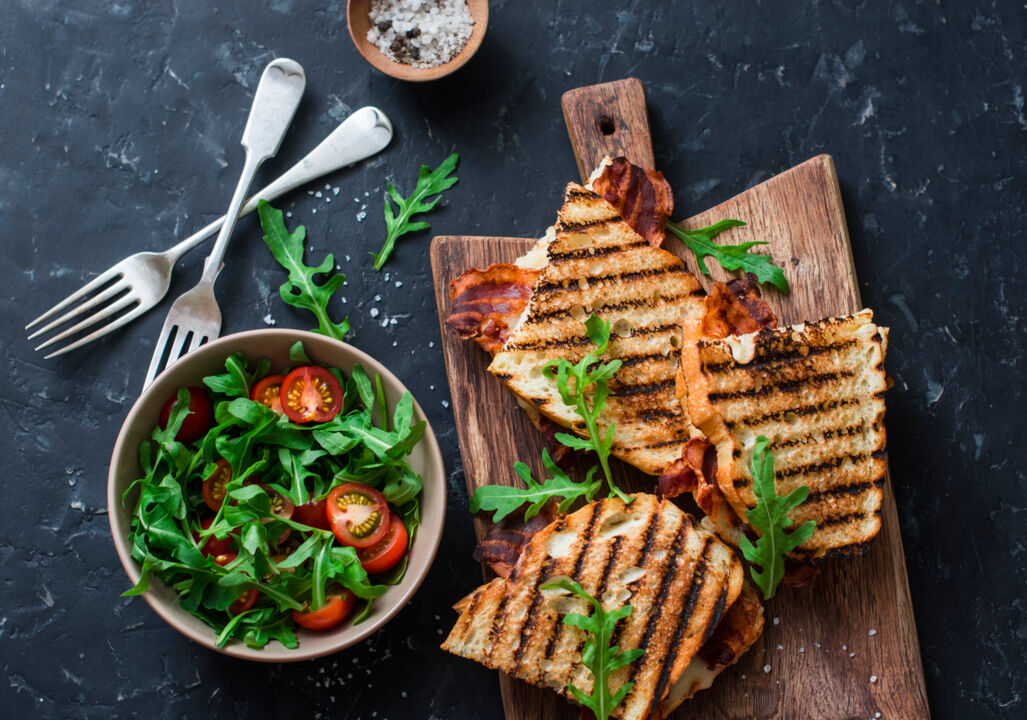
x=377 y=298
x=335 y=191
x=777 y=621
x=313 y=211
x=328 y=187
x=268 y=320
x=802 y=649
x=399 y=283
x=361 y=215
x=852 y=655
x=374 y=312
x=873 y=678
x=318 y=195
x=780 y=647
x=766 y=668
x=872 y=632
x=445 y=403
x=422 y=33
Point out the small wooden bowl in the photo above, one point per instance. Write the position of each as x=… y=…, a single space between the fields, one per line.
x=359 y=22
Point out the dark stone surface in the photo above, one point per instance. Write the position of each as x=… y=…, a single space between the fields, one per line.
x=119 y=125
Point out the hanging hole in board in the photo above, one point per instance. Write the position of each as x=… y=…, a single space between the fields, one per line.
x=606 y=125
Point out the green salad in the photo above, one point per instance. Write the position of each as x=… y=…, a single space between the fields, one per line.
x=271 y=501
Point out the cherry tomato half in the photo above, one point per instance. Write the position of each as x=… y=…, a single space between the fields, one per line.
x=388 y=551
x=283 y=507
x=214 y=485
x=312 y=514
x=335 y=609
x=311 y=393
x=247 y=600
x=269 y=392
x=218 y=549
x=197 y=422
x=358 y=514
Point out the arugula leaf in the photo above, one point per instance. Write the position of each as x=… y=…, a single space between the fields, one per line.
x=598 y=656
x=298 y=354
x=505 y=500
x=730 y=257
x=770 y=518
x=430 y=182
x=237 y=381
x=301 y=290
x=589 y=410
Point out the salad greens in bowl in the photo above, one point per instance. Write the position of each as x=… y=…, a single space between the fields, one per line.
x=276 y=495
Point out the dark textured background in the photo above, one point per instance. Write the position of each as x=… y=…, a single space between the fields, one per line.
x=119 y=127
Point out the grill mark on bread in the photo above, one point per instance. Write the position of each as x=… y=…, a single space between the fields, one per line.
x=695 y=587
x=640 y=561
x=841 y=519
x=673 y=268
x=767 y=359
x=666 y=582
x=645 y=388
x=799 y=411
x=539 y=318
x=782 y=387
x=578 y=341
x=499 y=619
x=524 y=637
x=808 y=469
x=558 y=257
x=531 y=619
x=856 y=488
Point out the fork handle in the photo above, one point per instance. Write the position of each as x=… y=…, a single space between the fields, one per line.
x=275 y=102
x=364 y=133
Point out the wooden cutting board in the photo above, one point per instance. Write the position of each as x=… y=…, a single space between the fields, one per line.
x=844 y=647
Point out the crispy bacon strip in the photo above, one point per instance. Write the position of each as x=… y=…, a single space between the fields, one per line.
x=485 y=304
x=736 y=632
x=695 y=471
x=502 y=546
x=642 y=197
x=798 y=575
x=736 y=308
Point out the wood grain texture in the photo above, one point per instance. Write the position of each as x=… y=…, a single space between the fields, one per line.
x=608 y=119
x=844 y=647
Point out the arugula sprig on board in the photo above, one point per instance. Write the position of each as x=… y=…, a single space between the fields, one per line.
x=730 y=257
x=505 y=500
x=770 y=518
x=576 y=396
x=397 y=223
x=301 y=290
x=598 y=656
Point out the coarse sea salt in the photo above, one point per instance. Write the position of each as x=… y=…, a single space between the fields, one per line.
x=422 y=33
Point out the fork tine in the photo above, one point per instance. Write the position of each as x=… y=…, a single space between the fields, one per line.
x=89 y=287
x=177 y=346
x=91 y=320
x=158 y=354
x=100 y=332
x=194 y=342
x=115 y=289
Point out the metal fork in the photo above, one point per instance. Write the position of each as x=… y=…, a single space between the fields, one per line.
x=195 y=317
x=140 y=281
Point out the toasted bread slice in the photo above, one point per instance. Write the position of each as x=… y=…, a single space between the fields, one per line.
x=597 y=264
x=680 y=580
x=816 y=390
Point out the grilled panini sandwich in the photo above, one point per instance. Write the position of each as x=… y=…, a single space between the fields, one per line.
x=680 y=580
x=816 y=390
x=596 y=263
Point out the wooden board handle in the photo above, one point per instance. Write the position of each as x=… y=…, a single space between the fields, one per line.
x=608 y=119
